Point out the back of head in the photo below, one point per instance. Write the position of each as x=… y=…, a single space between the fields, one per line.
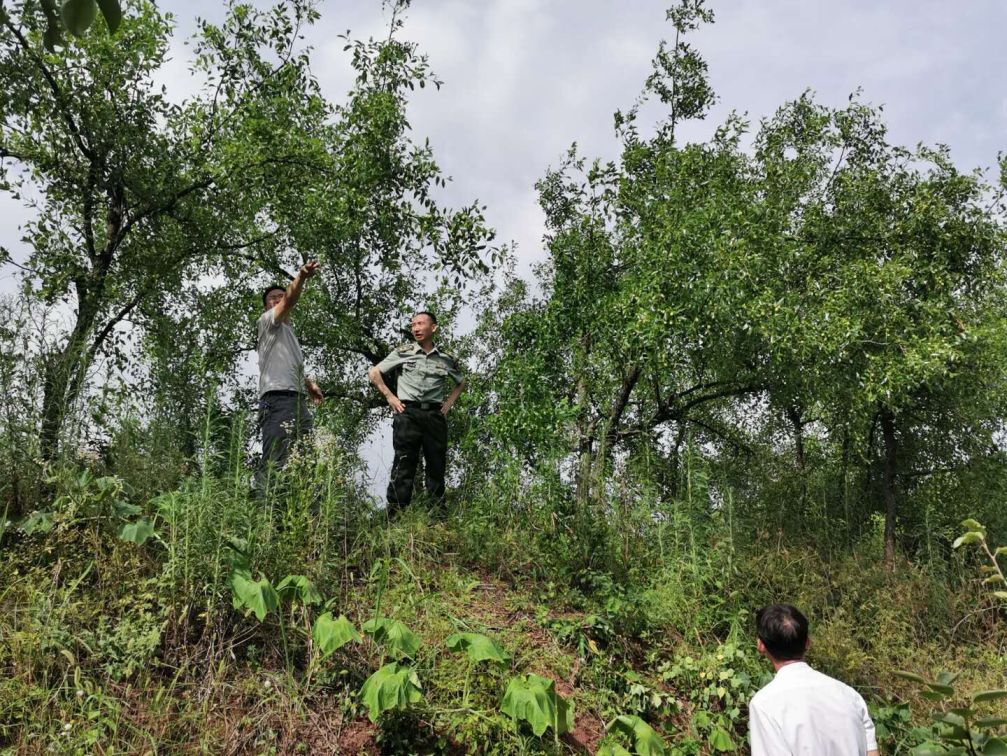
x=783 y=630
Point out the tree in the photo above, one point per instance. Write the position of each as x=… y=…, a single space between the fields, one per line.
x=638 y=328
x=384 y=241
x=825 y=277
x=138 y=196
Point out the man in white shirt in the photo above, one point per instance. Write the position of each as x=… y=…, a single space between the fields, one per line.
x=803 y=712
x=283 y=388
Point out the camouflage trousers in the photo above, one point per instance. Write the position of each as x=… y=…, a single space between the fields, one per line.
x=414 y=431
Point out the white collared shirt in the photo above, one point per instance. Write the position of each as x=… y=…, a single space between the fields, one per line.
x=802 y=712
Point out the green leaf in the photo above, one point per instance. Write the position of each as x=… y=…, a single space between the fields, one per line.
x=971 y=524
x=394 y=686
x=394 y=635
x=947 y=678
x=911 y=676
x=478 y=647
x=988 y=695
x=932 y=749
x=991 y=722
x=646 y=741
x=257 y=595
x=78 y=15
x=994 y=747
x=1002 y=595
x=299 y=587
x=112 y=12
x=331 y=634
x=37 y=522
x=971 y=537
x=1000 y=551
x=612 y=749
x=137 y=532
x=945 y=690
x=720 y=740
x=534 y=700
x=125 y=509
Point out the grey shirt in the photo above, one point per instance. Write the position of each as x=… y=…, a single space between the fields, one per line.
x=281 y=364
x=424 y=376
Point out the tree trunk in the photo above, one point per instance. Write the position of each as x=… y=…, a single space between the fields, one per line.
x=585 y=428
x=890 y=470
x=61 y=385
x=797 y=422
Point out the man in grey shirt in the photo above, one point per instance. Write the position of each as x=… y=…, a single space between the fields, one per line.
x=419 y=410
x=283 y=388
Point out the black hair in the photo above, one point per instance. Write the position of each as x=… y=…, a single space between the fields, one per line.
x=268 y=289
x=433 y=318
x=783 y=630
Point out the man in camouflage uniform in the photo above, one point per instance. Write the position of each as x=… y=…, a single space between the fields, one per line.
x=419 y=410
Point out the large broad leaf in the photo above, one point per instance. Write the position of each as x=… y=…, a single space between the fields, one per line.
x=238 y=555
x=300 y=588
x=393 y=635
x=330 y=634
x=534 y=700
x=137 y=532
x=971 y=524
x=394 y=686
x=125 y=509
x=112 y=12
x=994 y=747
x=973 y=536
x=478 y=647
x=646 y=741
x=37 y=522
x=259 y=596
x=78 y=15
x=720 y=740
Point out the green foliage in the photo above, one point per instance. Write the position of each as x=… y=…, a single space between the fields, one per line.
x=393 y=635
x=394 y=687
x=478 y=647
x=77 y=16
x=960 y=725
x=256 y=596
x=137 y=532
x=645 y=741
x=298 y=588
x=718 y=683
x=533 y=699
x=331 y=634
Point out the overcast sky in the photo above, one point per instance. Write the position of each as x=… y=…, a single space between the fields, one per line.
x=523 y=79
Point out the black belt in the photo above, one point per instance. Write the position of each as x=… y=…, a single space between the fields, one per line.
x=280 y=393
x=422 y=405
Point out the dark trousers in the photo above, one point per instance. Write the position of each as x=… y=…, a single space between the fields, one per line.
x=413 y=431
x=284 y=419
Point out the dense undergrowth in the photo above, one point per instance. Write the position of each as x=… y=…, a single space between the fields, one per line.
x=121 y=633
